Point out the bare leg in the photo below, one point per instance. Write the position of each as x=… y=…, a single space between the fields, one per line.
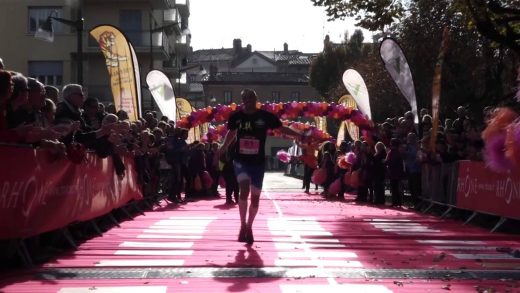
x=253 y=207
x=242 y=208
x=253 y=210
x=242 y=202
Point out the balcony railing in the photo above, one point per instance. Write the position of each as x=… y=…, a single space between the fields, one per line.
x=183 y=6
x=171 y=15
x=141 y=40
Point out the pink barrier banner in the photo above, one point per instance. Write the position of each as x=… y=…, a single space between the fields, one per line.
x=480 y=189
x=39 y=193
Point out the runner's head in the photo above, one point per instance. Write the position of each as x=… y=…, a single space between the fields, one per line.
x=249 y=99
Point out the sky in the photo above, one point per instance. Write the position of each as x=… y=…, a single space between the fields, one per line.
x=264 y=24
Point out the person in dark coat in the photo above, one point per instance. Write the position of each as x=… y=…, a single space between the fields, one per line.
x=379 y=173
x=395 y=164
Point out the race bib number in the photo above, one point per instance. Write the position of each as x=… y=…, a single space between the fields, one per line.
x=249 y=146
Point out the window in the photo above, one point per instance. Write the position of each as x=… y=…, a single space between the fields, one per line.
x=228 y=97
x=131 y=24
x=38 y=15
x=47 y=72
x=275 y=97
x=295 y=96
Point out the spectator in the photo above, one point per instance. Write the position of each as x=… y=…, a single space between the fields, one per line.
x=52 y=93
x=69 y=110
x=458 y=124
x=111 y=109
x=19 y=99
x=49 y=112
x=36 y=102
x=228 y=173
x=91 y=114
x=6 y=90
x=412 y=167
x=395 y=163
x=379 y=173
x=123 y=115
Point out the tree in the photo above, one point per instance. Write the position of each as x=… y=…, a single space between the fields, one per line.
x=498 y=20
x=369 y=14
x=327 y=68
x=476 y=73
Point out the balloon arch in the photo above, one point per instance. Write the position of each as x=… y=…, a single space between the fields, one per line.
x=290 y=110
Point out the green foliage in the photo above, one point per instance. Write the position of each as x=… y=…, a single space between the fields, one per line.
x=479 y=67
x=328 y=67
x=475 y=73
x=369 y=14
x=497 y=20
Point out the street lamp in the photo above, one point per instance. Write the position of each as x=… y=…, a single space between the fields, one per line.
x=45 y=32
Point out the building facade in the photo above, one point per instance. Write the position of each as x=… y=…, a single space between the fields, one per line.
x=276 y=76
x=157 y=29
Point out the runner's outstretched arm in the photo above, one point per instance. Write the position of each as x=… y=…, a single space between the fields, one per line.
x=230 y=137
x=294 y=133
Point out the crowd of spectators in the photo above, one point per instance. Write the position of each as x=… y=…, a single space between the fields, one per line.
x=39 y=115
x=54 y=121
x=394 y=155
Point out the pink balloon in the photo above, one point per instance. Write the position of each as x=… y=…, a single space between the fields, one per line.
x=319 y=176
x=335 y=187
x=283 y=156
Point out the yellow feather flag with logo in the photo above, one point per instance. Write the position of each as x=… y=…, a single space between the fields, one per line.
x=353 y=130
x=121 y=66
x=184 y=108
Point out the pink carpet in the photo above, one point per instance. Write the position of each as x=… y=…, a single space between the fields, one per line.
x=292 y=230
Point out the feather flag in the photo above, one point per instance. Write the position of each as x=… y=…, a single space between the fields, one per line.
x=122 y=68
x=162 y=91
x=397 y=66
x=436 y=87
x=357 y=88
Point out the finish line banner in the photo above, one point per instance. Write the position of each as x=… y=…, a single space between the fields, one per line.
x=480 y=189
x=40 y=194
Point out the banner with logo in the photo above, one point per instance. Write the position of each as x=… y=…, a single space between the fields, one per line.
x=40 y=193
x=357 y=88
x=197 y=134
x=162 y=91
x=480 y=189
x=353 y=130
x=121 y=68
x=184 y=108
x=436 y=88
x=321 y=123
x=137 y=81
x=398 y=68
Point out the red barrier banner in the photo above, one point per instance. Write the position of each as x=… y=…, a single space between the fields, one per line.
x=480 y=189
x=39 y=193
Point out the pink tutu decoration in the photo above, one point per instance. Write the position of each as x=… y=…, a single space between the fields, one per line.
x=512 y=143
x=207 y=181
x=335 y=187
x=283 y=156
x=319 y=176
x=350 y=158
x=494 y=154
x=222 y=182
x=346 y=178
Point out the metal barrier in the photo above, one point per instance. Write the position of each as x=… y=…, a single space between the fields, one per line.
x=439 y=182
